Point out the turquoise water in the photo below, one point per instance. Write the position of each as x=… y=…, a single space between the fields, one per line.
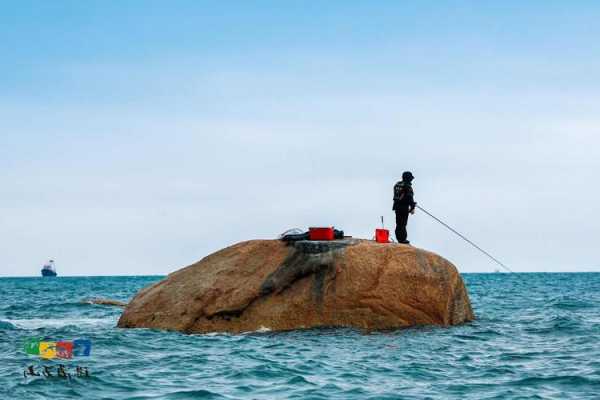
x=537 y=337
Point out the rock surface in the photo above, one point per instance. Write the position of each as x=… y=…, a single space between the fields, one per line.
x=265 y=284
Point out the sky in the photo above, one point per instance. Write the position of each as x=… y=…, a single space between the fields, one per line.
x=137 y=137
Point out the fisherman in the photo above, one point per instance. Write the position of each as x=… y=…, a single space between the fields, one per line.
x=404 y=204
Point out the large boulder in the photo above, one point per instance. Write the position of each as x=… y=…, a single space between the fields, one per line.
x=266 y=284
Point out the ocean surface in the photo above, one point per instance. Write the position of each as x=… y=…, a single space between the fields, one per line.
x=537 y=336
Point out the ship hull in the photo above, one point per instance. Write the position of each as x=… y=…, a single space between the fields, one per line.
x=46 y=272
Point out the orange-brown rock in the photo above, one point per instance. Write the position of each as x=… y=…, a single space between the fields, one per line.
x=267 y=284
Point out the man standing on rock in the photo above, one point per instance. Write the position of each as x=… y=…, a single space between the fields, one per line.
x=404 y=204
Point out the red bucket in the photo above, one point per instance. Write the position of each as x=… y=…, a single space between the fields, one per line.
x=320 y=233
x=382 y=236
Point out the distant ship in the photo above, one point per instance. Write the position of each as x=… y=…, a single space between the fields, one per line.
x=48 y=269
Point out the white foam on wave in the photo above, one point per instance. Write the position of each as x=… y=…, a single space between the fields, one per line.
x=36 y=323
x=215 y=334
x=262 y=329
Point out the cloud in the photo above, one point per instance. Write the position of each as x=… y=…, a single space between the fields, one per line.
x=140 y=169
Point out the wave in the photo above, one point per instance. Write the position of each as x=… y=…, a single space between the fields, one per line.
x=37 y=323
x=571 y=303
x=6 y=325
x=184 y=394
x=574 y=380
x=262 y=329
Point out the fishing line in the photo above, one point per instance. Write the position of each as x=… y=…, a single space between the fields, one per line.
x=464 y=238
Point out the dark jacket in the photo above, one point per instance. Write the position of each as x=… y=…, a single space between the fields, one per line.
x=404 y=197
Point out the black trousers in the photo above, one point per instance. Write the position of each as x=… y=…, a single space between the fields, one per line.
x=401 y=221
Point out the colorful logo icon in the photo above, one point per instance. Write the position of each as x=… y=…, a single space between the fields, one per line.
x=63 y=349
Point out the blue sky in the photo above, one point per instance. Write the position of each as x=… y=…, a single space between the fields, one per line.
x=137 y=137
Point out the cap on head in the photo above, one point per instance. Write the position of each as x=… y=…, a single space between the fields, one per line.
x=407 y=176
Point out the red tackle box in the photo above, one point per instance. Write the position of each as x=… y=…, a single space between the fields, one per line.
x=321 y=233
x=382 y=236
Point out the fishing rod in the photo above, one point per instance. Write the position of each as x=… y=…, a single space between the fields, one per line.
x=464 y=238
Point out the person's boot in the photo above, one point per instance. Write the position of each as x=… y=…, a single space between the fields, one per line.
x=404 y=242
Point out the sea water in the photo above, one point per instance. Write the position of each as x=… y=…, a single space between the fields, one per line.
x=537 y=336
